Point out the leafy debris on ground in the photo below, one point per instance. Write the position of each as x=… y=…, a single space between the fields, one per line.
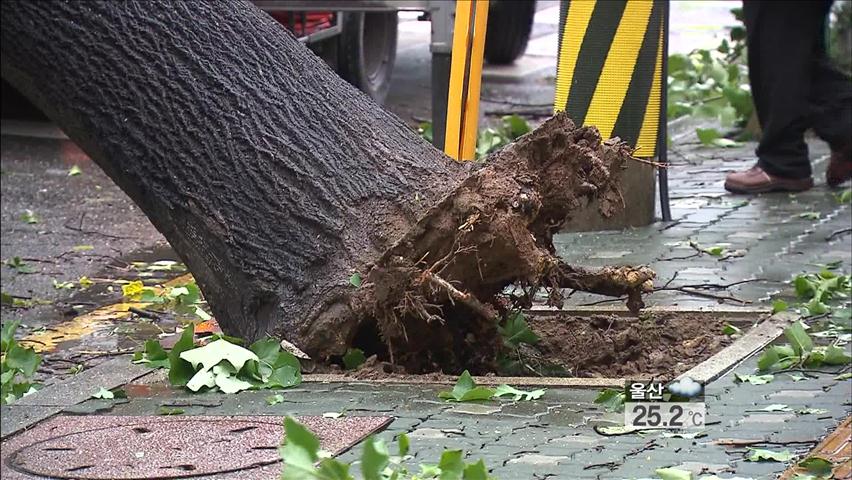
x=222 y=364
x=303 y=460
x=17 y=365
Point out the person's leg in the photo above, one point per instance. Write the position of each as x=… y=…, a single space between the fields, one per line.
x=831 y=113
x=782 y=38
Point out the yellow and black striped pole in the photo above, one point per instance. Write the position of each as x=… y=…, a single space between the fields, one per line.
x=465 y=79
x=610 y=70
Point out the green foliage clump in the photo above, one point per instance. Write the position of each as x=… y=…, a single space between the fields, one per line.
x=712 y=84
x=222 y=364
x=17 y=365
x=303 y=460
x=489 y=139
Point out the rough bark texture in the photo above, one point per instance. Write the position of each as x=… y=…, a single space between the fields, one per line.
x=275 y=180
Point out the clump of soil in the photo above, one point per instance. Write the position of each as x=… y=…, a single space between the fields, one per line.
x=661 y=345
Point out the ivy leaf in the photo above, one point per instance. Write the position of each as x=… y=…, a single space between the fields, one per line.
x=777 y=357
x=404 y=444
x=374 y=458
x=776 y=407
x=476 y=471
x=215 y=352
x=798 y=338
x=707 y=135
x=515 y=126
x=759 y=455
x=29 y=217
x=754 y=379
x=779 y=306
x=153 y=355
x=515 y=331
x=267 y=350
x=812 y=411
x=331 y=469
x=451 y=465
x=834 y=355
x=103 y=393
x=817 y=466
x=181 y=371
x=729 y=329
x=227 y=381
x=23 y=359
x=673 y=474
x=611 y=399
x=284 y=377
x=20 y=266
x=518 y=394
x=201 y=379
x=7 y=334
x=466 y=390
x=299 y=452
x=353 y=358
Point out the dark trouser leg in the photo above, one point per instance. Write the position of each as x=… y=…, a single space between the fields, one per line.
x=782 y=39
x=831 y=102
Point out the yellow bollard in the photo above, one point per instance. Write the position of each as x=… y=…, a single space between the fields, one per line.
x=465 y=79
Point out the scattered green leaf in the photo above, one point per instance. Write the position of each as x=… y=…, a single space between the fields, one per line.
x=29 y=217
x=753 y=379
x=353 y=358
x=729 y=329
x=672 y=473
x=760 y=455
x=817 y=466
x=611 y=399
x=466 y=390
x=503 y=390
x=515 y=330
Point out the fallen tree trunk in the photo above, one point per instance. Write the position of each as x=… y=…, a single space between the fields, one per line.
x=275 y=181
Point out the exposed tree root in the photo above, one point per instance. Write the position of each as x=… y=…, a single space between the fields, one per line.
x=436 y=295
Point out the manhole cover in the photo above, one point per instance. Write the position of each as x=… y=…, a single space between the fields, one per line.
x=157 y=447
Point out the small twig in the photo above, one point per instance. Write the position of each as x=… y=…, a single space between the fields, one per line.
x=649 y=162
x=98 y=354
x=837 y=233
x=145 y=313
x=34 y=259
x=722 y=286
x=680 y=258
x=79 y=228
x=705 y=294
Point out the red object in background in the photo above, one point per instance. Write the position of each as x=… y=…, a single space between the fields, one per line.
x=304 y=23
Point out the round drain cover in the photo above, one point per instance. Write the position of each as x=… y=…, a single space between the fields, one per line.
x=156 y=449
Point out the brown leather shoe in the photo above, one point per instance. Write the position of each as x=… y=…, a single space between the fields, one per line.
x=840 y=166
x=756 y=180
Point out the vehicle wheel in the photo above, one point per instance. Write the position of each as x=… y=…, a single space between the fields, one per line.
x=367 y=51
x=509 y=26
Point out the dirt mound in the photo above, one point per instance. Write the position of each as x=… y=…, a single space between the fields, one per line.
x=659 y=345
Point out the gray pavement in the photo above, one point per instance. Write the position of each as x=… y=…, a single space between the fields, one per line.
x=549 y=438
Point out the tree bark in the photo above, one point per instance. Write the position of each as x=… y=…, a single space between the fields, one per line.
x=275 y=180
